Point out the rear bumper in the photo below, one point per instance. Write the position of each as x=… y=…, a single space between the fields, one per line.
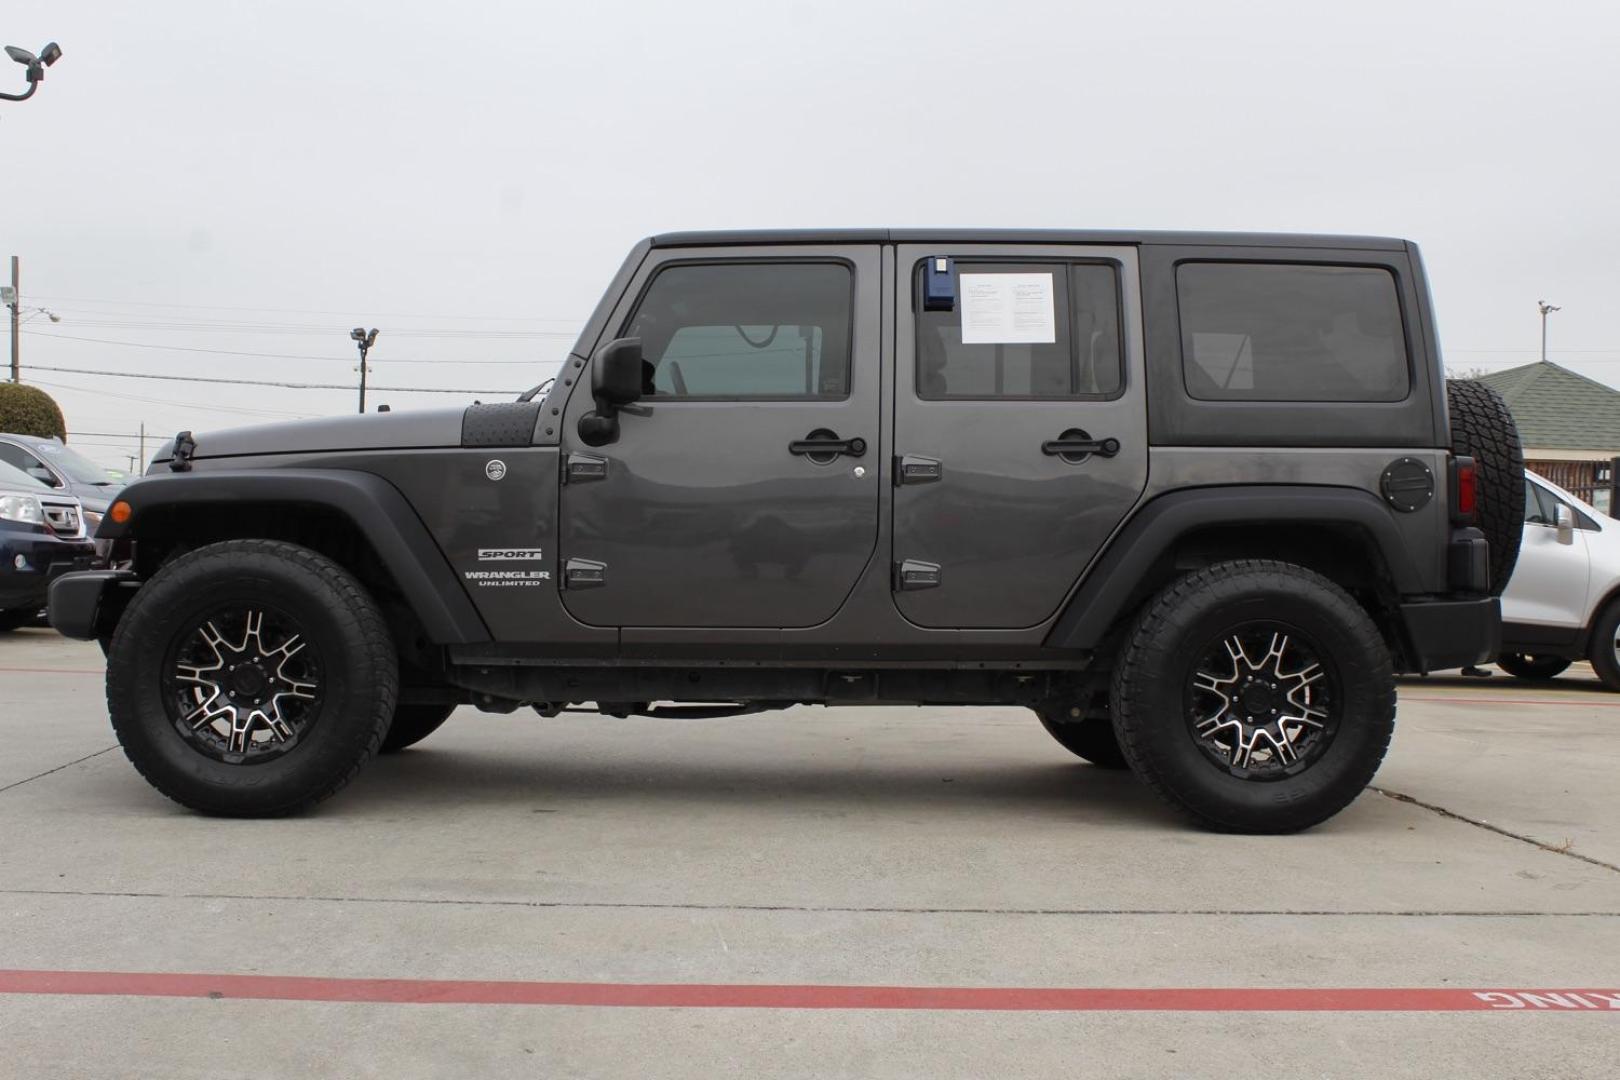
x=1452 y=633
x=78 y=600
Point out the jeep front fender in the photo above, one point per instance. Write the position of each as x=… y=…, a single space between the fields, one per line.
x=376 y=508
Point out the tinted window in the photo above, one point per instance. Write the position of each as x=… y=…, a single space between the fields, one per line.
x=1538 y=505
x=1541 y=508
x=746 y=330
x=1254 y=332
x=1083 y=360
x=17 y=457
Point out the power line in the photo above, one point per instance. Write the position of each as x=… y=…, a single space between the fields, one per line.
x=258 y=355
x=210 y=406
x=313 y=311
x=264 y=382
x=303 y=330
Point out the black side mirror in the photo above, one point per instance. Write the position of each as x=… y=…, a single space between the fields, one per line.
x=616 y=381
x=616 y=373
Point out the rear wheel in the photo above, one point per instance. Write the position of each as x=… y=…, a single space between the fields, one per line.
x=251 y=678
x=412 y=724
x=1531 y=665
x=1089 y=738
x=1255 y=696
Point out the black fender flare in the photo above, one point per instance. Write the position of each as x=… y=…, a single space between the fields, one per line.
x=1149 y=534
x=377 y=509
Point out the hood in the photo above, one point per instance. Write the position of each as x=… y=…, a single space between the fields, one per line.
x=371 y=431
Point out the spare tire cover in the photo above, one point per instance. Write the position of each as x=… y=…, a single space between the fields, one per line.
x=1483 y=429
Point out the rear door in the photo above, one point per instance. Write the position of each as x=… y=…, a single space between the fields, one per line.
x=746 y=493
x=1020 y=427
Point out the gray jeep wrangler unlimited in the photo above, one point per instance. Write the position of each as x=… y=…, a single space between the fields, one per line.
x=1195 y=499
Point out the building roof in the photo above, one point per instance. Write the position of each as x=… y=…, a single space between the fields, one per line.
x=1556 y=409
x=1023 y=236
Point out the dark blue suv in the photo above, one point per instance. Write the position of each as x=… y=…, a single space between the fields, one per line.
x=42 y=536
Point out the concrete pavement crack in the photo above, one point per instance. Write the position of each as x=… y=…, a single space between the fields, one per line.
x=814 y=909
x=1497 y=829
x=59 y=768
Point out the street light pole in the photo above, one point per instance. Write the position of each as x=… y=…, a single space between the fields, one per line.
x=16 y=322
x=365 y=340
x=1546 y=309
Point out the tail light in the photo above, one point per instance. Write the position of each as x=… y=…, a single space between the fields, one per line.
x=1464 y=489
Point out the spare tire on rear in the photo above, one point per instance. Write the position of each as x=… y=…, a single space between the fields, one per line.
x=1482 y=428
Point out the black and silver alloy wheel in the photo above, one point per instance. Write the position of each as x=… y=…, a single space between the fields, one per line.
x=1261 y=702
x=251 y=678
x=1255 y=696
x=244 y=685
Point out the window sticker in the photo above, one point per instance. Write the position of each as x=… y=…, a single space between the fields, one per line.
x=1007 y=309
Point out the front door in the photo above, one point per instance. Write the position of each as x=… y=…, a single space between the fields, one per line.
x=1020 y=426
x=748 y=495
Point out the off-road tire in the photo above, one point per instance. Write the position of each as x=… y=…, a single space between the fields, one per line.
x=1483 y=429
x=1152 y=695
x=1601 y=649
x=1535 y=667
x=1090 y=738
x=412 y=724
x=341 y=622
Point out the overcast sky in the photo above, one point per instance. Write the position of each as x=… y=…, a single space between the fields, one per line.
x=260 y=177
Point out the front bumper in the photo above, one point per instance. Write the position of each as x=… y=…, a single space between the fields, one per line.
x=30 y=561
x=1452 y=633
x=78 y=601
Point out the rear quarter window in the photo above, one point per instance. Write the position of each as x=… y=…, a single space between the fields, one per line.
x=1280 y=332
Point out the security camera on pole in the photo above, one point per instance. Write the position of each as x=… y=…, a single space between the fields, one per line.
x=365 y=340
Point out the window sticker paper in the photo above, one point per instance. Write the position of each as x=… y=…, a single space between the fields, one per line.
x=1007 y=309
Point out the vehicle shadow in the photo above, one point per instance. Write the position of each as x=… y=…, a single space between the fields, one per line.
x=1501 y=683
x=426 y=778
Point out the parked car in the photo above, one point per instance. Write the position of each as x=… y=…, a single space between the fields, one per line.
x=42 y=536
x=57 y=465
x=1192 y=498
x=1563 y=602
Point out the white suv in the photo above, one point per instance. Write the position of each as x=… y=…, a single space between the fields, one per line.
x=1563 y=602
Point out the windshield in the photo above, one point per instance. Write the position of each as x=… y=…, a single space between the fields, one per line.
x=79 y=469
x=13 y=478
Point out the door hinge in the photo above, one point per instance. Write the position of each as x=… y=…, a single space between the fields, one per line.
x=579 y=468
x=584 y=574
x=916 y=469
x=911 y=574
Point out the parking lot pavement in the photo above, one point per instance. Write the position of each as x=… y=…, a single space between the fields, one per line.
x=911 y=848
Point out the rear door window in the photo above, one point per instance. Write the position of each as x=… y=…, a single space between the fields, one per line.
x=1276 y=332
x=1079 y=359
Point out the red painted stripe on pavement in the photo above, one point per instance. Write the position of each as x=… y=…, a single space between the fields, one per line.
x=747 y=996
x=1598 y=704
x=55 y=671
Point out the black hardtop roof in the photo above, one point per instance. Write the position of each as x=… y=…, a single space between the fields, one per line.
x=728 y=238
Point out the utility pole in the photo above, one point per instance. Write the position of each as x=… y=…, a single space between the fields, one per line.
x=365 y=341
x=16 y=321
x=143 y=445
x=1546 y=309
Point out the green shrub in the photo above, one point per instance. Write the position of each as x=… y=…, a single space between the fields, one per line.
x=28 y=410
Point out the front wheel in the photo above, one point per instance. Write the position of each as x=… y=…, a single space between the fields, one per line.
x=1255 y=696
x=17 y=619
x=1532 y=666
x=1604 y=651
x=251 y=678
